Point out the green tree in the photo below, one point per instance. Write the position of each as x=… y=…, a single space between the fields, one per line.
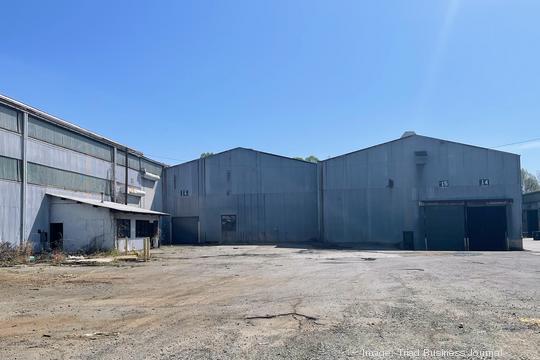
x=310 y=158
x=529 y=182
x=206 y=154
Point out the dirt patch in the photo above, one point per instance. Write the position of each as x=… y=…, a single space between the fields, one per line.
x=262 y=302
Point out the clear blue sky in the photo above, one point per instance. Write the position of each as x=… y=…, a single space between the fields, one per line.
x=177 y=78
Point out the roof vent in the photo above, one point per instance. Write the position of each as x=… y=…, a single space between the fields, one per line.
x=407 y=134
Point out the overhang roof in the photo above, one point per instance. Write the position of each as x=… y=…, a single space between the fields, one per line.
x=107 y=204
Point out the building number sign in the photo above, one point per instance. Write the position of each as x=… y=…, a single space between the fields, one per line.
x=443 y=183
x=483 y=182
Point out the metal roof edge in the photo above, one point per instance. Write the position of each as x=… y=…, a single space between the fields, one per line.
x=71 y=126
x=417 y=135
x=107 y=204
x=247 y=149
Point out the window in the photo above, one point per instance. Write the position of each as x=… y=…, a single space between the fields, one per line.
x=10 y=119
x=134 y=162
x=151 y=167
x=45 y=131
x=10 y=169
x=228 y=222
x=123 y=228
x=48 y=176
x=145 y=228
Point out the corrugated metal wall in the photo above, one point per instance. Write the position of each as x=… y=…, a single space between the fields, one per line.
x=274 y=198
x=10 y=211
x=58 y=159
x=45 y=131
x=361 y=206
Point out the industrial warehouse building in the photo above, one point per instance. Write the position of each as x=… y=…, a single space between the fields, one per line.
x=68 y=188
x=418 y=192
x=531 y=218
x=415 y=192
x=242 y=196
x=61 y=185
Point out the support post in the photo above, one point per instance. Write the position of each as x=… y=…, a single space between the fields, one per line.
x=24 y=175
x=320 y=200
x=126 y=179
x=113 y=181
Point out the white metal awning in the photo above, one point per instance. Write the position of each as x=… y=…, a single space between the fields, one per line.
x=107 y=204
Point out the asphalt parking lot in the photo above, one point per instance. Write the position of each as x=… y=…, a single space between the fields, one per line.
x=267 y=302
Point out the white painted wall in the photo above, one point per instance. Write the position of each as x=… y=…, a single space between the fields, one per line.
x=85 y=227
x=134 y=243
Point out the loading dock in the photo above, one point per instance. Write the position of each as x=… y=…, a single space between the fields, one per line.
x=475 y=225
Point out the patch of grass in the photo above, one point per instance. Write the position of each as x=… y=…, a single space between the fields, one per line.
x=108 y=253
x=14 y=254
x=57 y=257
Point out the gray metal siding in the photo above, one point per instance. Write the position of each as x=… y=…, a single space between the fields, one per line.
x=10 y=118
x=10 y=212
x=153 y=200
x=45 y=131
x=360 y=207
x=274 y=198
x=10 y=144
x=43 y=153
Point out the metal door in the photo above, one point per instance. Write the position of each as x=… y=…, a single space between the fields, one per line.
x=57 y=236
x=532 y=221
x=444 y=227
x=486 y=228
x=185 y=230
x=228 y=228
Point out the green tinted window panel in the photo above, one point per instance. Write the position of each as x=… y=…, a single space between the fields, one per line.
x=56 y=135
x=47 y=176
x=10 y=169
x=120 y=157
x=151 y=167
x=134 y=162
x=10 y=119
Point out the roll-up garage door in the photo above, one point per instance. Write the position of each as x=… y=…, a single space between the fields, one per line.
x=444 y=227
x=487 y=228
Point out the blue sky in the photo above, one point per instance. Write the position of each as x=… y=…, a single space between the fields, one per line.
x=177 y=78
